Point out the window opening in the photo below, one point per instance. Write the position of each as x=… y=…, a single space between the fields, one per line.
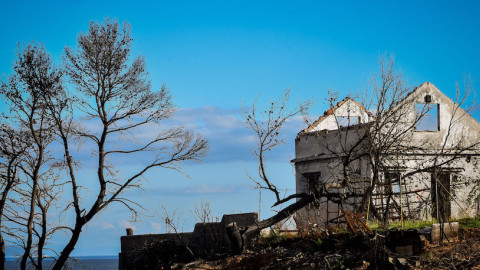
x=396 y=187
x=427 y=117
x=441 y=197
x=313 y=182
x=392 y=180
x=345 y=121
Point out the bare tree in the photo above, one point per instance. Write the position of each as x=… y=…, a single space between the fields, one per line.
x=50 y=191
x=13 y=145
x=43 y=227
x=267 y=125
x=34 y=77
x=203 y=212
x=113 y=97
x=116 y=96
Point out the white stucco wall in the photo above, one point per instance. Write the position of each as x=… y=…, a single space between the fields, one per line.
x=349 y=108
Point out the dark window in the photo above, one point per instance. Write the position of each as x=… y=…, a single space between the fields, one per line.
x=428 y=99
x=313 y=182
x=441 y=198
x=427 y=117
x=478 y=205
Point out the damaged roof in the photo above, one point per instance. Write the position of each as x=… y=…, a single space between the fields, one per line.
x=331 y=111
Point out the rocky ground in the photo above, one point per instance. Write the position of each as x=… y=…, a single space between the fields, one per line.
x=343 y=251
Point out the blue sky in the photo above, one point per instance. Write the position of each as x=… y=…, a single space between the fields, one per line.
x=216 y=55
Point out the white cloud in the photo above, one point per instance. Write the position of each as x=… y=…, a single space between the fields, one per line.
x=196 y=190
x=106 y=225
x=103 y=225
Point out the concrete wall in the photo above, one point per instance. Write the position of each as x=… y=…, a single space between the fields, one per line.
x=328 y=144
x=206 y=239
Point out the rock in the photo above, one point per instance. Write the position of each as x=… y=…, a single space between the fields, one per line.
x=402 y=261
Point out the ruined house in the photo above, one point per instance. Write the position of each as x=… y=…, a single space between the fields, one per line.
x=416 y=158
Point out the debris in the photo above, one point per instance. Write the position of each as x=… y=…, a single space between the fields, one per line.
x=356 y=224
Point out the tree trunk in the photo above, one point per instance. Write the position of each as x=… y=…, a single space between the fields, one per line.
x=62 y=259
x=236 y=240
x=2 y=252
x=28 y=247
x=281 y=215
x=2 y=207
x=35 y=177
x=41 y=241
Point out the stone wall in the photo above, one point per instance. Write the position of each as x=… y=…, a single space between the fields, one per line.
x=206 y=240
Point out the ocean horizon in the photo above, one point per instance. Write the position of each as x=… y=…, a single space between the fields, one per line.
x=108 y=262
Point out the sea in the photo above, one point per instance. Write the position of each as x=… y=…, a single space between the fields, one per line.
x=76 y=263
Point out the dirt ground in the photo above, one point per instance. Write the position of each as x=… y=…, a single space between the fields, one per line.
x=346 y=252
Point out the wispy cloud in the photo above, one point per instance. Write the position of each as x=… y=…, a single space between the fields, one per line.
x=195 y=190
x=104 y=225
x=229 y=140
